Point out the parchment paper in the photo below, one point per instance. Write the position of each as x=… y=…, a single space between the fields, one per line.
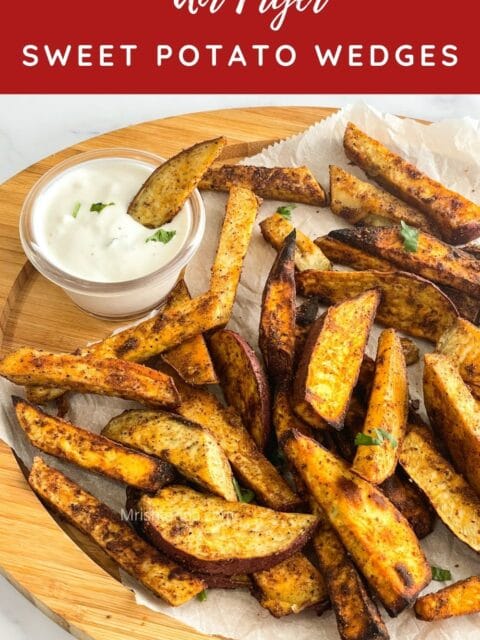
x=448 y=151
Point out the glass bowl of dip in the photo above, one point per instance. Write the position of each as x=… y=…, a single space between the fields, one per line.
x=75 y=230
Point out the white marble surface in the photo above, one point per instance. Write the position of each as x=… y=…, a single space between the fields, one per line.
x=32 y=127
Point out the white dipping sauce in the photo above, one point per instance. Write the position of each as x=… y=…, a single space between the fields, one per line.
x=109 y=246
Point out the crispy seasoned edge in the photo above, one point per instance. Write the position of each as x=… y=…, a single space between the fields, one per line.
x=302 y=451
x=356 y=613
x=226 y=566
x=277 y=319
x=292 y=184
x=159 y=574
x=322 y=330
x=290 y=587
x=47 y=432
x=107 y=376
x=356 y=201
x=433 y=259
x=409 y=303
x=456 y=217
x=244 y=382
x=199 y=157
x=342 y=253
x=387 y=409
x=251 y=467
x=190 y=359
x=424 y=464
x=134 y=428
x=411 y=503
x=307 y=254
x=458 y=599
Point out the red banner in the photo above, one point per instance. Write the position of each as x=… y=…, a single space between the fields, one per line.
x=240 y=46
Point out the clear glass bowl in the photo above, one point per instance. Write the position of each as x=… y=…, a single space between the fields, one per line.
x=111 y=300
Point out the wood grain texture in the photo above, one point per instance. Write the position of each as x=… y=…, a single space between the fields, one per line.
x=66 y=577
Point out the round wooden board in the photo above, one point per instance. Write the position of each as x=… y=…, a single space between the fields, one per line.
x=55 y=566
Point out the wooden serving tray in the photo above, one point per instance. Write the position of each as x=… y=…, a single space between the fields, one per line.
x=52 y=564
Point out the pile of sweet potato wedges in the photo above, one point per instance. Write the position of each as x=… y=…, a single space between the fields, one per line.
x=315 y=479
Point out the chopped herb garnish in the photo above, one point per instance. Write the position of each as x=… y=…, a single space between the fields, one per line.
x=286 y=211
x=202 y=596
x=243 y=495
x=365 y=439
x=441 y=575
x=380 y=436
x=98 y=207
x=161 y=235
x=410 y=237
x=387 y=436
x=76 y=209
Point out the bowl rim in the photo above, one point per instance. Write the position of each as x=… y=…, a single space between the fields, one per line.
x=91 y=287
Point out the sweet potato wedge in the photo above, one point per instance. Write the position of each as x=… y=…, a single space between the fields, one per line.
x=386 y=414
x=166 y=190
x=291 y=184
x=454 y=414
x=91 y=451
x=433 y=259
x=110 y=377
x=190 y=359
x=357 y=201
x=410 y=502
x=277 y=320
x=459 y=599
x=307 y=255
x=244 y=382
x=249 y=464
x=341 y=253
x=454 y=501
x=331 y=360
x=185 y=445
x=456 y=218
x=211 y=535
x=376 y=535
x=241 y=211
x=163 y=577
x=290 y=587
x=357 y=614
x=461 y=343
x=408 y=303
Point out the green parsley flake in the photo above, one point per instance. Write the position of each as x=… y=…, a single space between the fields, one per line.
x=98 y=207
x=387 y=436
x=243 y=495
x=441 y=575
x=410 y=237
x=76 y=209
x=202 y=596
x=161 y=235
x=286 y=211
x=380 y=436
